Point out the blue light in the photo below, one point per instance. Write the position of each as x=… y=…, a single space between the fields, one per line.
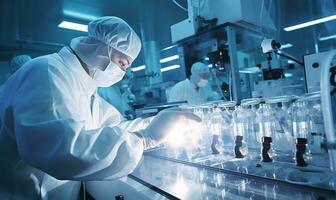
x=79 y=15
x=135 y=69
x=169 y=47
x=310 y=23
x=73 y=26
x=170 y=58
x=170 y=68
x=330 y=37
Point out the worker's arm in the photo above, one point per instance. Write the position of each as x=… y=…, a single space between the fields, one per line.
x=51 y=133
x=135 y=125
x=110 y=116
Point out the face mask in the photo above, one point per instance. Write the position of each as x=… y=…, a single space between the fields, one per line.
x=111 y=75
x=202 y=83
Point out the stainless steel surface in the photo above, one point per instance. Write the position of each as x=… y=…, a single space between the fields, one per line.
x=317 y=175
x=191 y=182
x=127 y=187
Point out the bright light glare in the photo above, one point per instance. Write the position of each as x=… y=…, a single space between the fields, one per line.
x=184 y=133
x=310 y=23
x=176 y=139
x=170 y=68
x=170 y=58
x=73 y=26
x=180 y=188
x=135 y=69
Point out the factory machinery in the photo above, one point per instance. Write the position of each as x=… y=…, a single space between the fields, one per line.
x=262 y=148
x=273 y=145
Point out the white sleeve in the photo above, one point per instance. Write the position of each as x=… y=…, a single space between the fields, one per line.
x=136 y=124
x=51 y=136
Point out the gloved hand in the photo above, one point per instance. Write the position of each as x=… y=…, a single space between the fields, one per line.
x=163 y=124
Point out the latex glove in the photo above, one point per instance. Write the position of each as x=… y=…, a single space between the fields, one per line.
x=163 y=124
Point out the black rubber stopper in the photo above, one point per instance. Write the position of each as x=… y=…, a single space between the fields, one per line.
x=301 y=145
x=266 y=146
x=238 y=144
x=119 y=197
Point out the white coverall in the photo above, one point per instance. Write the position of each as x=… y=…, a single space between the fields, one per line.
x=52 y=125
x=186 y=91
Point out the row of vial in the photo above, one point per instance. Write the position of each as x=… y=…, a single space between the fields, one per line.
x=284 y=127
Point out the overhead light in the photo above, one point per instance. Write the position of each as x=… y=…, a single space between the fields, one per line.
x=170 y=68
x=288 y=75
x=170 y=58
x=284 y=46
x=79 y=15
x=210 y=65
x=169 y=47
x=250 y=70
x=330 y=37
x=246 y=72
x=206 y=58
x=73 y=26
x=135 y=69
x=290 y=62
x=310 y=23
